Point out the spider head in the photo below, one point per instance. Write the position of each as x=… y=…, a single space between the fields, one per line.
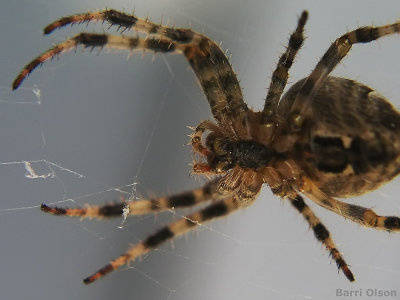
x=221 y=157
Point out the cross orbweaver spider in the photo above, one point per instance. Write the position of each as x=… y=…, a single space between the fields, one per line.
x=325 y=137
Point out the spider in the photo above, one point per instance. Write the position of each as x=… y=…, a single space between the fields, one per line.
x=325 y=138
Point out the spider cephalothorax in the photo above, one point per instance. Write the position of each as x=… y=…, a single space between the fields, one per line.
x=325 y=137
x=230 y=145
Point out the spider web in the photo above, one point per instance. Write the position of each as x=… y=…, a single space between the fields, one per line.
x=91 y=128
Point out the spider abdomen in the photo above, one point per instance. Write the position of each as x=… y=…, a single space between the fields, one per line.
x=350 y=140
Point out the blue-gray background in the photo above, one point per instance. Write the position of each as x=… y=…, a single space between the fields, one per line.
x=102 y=122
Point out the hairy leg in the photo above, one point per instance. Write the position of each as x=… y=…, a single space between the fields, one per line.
x=321 y=233
x=332 y=57
x=143 y=206
x=281 y=73
x=209 y=63
x=185 y=224
x=359 y=214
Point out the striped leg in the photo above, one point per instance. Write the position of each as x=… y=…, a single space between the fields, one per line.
x=358 y=214
x=215 y=210
x=126 y=21
x=281 y=73
x=332 y=57
x=209 y=63
x=140 y=207
x=89 y=40
x=321 y=233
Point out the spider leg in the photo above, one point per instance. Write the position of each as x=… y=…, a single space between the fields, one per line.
x=332 y=57
x=185 y=224
x=140 y=207
x=89 y=40
x=281 y=73
x=209 y=63
x=126 y=21
x=358 y=214
x=321 y=233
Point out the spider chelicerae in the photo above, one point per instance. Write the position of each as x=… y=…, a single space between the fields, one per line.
x=325 y=137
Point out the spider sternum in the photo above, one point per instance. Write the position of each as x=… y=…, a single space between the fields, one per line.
x=246 y=154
